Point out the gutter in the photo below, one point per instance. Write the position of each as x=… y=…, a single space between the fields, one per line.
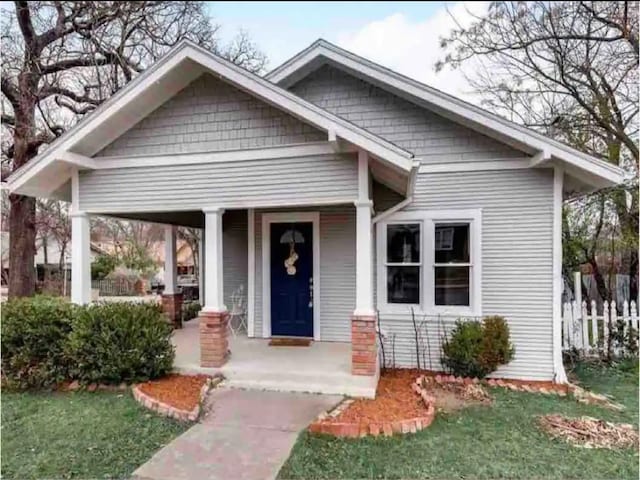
x=399 y=206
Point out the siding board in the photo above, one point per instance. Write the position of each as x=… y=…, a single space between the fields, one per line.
x=230 y=184
x=516 y=262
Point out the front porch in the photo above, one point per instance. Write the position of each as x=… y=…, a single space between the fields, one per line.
x=323 y=367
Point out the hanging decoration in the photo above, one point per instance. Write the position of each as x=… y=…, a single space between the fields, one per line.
x=291 y=237
x=289 y=262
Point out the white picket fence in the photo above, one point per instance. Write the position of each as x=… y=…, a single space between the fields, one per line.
x=587 y=331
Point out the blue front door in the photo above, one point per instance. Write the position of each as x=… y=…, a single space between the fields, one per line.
x=292 y=279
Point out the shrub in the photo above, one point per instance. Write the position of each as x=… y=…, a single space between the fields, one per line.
x=476 y=349
x=103 y=266
x=190 y=310
x=34 y=337
x=120 y=342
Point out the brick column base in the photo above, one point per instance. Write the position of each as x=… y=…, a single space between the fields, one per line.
x=364 y=349
x=172 y=308
x=214 y=344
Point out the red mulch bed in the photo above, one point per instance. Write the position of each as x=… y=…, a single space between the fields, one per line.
x=395 y=400
x=179 y=391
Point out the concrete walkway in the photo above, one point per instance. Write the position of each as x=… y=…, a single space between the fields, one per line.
x=246 y=434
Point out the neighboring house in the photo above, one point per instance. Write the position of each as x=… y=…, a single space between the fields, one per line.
x=332 y=189
x=47 y=257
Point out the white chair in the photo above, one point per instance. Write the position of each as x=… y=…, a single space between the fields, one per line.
x=238 y=312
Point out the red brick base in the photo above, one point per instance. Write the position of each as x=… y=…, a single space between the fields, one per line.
x=172 y=307
x=364 y=350
x=214 y=344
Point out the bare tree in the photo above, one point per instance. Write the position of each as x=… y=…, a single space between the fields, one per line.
x=192 y=237
x=569 y=70
x=60 y=60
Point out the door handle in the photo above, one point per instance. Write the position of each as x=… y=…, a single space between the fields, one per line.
x=310 y=292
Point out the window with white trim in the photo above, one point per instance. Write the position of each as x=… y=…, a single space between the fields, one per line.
x=403 y=263
x=452 y=264
x=430 y=260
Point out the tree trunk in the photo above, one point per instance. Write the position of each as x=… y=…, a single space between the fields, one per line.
x=22 y=246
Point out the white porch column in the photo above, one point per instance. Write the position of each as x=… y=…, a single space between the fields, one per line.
x=213 y=270
x=214 y=318
x=170 y=263
x=364 y=355
x=80 y=259
x=80 y=247
x=364 y=241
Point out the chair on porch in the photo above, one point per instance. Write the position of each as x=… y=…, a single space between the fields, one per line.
x=238 y=312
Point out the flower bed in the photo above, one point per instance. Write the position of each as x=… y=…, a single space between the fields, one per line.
x=176 y=396
x=397 y=408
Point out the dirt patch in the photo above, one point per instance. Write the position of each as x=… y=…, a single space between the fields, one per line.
x=454 y=396
x=179 y=391
x=590 y=432
x=395 y=400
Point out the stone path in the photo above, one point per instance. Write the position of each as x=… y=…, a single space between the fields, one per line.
x=245 y=434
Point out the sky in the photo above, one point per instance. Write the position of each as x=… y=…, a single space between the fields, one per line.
x=403 y=36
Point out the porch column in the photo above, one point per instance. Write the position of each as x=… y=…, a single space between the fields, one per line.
x=201 y=268
x=214 y=345
x=364 y=352
x=171 y=298
x=80 y=258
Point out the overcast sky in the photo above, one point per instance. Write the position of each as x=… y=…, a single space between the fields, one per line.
x=403 y=36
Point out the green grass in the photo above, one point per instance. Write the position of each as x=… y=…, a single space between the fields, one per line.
x=501 y=441
x=79 y=435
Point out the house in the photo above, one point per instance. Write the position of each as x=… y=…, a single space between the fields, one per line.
x=50 y=255
x=333 y=189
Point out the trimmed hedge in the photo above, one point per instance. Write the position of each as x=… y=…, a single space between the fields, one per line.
x=46 y=341
x=476 y=349
x=34 y=338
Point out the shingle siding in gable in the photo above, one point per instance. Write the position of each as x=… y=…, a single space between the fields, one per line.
x=428 y=135
x=210 y=115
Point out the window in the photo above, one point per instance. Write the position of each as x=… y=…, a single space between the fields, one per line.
x=431 y=261
x=403 y=263
x=452 y=264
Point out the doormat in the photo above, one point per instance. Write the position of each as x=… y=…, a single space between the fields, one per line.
x=290 y=342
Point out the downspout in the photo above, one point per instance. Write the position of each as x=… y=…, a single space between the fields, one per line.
x=411 y=184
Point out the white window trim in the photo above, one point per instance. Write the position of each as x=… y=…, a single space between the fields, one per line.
x=285 y=217
x=428 y=219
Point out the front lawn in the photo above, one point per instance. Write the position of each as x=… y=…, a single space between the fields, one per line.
x=79 y=435
x=501 y=441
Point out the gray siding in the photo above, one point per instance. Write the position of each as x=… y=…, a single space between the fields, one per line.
x=337 y=272
x=517 y=208
x=383 y=197
x=229 y=184
x=210 y=115
x=429 y=136
x=234 y=251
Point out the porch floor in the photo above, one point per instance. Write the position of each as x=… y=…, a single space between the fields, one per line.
x=323 y=367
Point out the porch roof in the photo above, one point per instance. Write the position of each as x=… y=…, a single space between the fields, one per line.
x=51 y=168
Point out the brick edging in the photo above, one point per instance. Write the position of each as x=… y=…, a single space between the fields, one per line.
x=170 y=411
x=362 y=429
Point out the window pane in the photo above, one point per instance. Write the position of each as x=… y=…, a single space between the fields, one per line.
x=403 y=243
x=452 y=285
x=452 y=243
x=403 y=285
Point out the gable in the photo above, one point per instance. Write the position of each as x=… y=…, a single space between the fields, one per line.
x=429 y=136
x=210 y=115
